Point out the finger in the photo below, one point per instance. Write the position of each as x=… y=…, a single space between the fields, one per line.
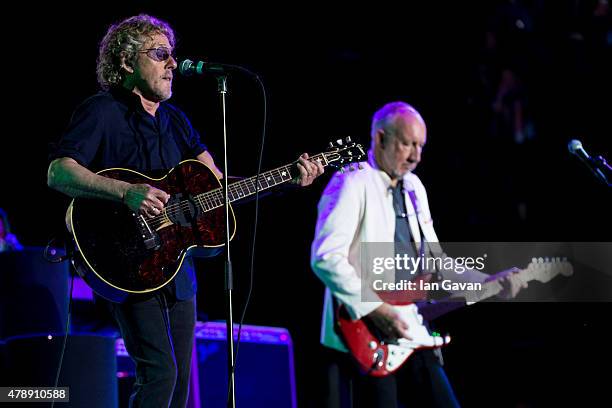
x=403 y=333
x=144 y=207
x=320 y=168
x=161 y=195
x=303 y=162
x=314 y=170
x=147 y=211
x=156 y=203
x=152 y=207
x=310 y=169
x=303 y=171
x=165 y=197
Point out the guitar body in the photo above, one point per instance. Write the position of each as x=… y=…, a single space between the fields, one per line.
x=376 y=355
x=122 y=252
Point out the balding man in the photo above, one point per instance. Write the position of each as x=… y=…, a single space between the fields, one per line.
x=383 y=202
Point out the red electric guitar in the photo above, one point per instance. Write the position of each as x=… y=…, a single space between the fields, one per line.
x=380 y=357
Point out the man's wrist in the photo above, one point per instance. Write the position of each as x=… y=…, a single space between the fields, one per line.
x=123 y=192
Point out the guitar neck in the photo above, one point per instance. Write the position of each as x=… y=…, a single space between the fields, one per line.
x=489 y=289
x=435 y=309
x=250 y=186
x=493 y=287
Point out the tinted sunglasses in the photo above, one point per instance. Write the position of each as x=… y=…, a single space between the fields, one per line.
x=158 y=54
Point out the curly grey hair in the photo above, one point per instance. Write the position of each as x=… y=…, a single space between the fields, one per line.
x=126 y=38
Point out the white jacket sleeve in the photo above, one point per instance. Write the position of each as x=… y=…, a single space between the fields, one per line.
x=340 y=214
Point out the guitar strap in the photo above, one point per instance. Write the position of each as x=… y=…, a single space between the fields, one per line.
x=414 y=201
x=423 y=246
x=411 y=193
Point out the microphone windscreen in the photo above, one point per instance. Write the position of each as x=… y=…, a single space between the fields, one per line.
x=574 y=145
x=186 y=67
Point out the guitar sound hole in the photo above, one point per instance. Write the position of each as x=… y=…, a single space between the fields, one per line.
x=182 y=210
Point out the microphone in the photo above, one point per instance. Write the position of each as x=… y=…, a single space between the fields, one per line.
x=188 y=68
x=575 y=148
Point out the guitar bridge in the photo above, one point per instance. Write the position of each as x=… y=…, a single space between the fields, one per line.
x=150 y=239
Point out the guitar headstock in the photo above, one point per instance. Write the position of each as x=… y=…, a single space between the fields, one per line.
x=343 y=153
x=544 y=269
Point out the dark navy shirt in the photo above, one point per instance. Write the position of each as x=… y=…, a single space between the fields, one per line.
x=402 y=227
x=402 y=237
x=112 y=129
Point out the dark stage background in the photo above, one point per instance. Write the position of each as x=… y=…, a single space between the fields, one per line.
x=326 y=70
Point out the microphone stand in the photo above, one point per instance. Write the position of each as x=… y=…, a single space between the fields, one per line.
x=229 y=286
x=601 y=163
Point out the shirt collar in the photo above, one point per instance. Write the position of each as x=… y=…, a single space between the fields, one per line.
x=386 y=179
x=131 y=100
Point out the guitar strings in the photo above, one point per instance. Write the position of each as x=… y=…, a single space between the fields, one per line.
x=215 y=197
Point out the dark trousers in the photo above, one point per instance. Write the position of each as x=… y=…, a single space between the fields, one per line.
x=420 y=382
x=158 y=332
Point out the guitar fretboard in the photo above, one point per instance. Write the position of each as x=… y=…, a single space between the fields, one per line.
x=247 y=187
x=491 y=288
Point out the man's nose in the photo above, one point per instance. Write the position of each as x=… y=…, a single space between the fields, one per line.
x=172 y=64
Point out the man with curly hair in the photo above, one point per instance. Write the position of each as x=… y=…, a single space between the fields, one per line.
x=130 y=125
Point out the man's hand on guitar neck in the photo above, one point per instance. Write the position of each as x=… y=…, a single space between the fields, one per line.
x=309 y=170
x=145 y=199
x=388 y=321
x=510 y=281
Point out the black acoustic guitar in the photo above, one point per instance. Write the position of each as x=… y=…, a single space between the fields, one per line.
x=119 y=251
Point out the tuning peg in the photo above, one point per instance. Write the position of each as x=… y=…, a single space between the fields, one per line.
x=341 y=169
x=359 y=165
x=348 y=139
x=351 y=167
x=339 y=142
x=331 y=145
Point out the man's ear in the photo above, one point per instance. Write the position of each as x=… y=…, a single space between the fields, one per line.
x=126 y=64
x=380 y=138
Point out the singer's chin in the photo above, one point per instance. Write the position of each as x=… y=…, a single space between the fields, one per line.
x=168 y=96
x=164 y=96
